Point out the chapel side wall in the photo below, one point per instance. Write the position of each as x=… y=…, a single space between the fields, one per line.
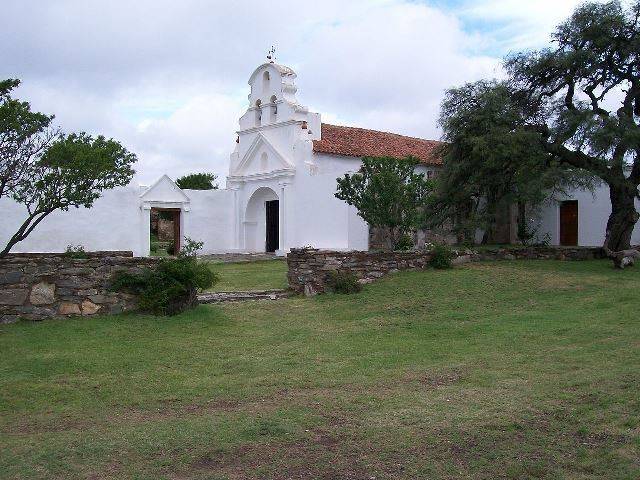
x=211 y=219
x=113 y=223
x=322 y=220
x=593 y=212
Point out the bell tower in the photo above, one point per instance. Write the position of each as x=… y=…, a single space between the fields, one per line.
x=271 y=127
x=273 y=97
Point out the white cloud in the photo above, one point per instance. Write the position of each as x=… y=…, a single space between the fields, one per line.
x=168 y=78
x=512 y=25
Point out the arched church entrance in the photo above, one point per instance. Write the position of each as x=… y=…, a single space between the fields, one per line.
x=262 y=221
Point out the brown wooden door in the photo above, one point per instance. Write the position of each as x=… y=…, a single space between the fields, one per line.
x=569 y=222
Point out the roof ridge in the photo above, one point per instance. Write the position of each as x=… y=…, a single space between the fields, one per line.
x=381 y=131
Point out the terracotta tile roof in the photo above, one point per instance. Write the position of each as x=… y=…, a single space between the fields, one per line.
x=360 y=142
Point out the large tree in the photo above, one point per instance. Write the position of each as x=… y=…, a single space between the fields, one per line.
x=491 y=160
x=584 y=95
x=388 y=194
x=46 y=171
x=24 y=135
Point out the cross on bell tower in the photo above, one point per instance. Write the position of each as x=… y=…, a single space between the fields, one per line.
x=271 y=54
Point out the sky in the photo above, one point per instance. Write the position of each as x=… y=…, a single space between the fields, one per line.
x=168 y=79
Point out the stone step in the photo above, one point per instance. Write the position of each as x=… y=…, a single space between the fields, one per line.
x=221 y=297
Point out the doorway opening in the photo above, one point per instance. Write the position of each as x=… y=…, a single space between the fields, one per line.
x=164 y=232
x=569 y=223
x=261 y=222
x=272 y=209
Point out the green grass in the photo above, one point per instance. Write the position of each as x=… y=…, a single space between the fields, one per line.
x=260 y=275
x=514 y=370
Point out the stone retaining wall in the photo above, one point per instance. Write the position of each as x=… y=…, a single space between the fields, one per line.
x=309 y=268
x=35 y=286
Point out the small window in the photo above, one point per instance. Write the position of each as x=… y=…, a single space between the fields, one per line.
x=274 y=108
x=266 y=80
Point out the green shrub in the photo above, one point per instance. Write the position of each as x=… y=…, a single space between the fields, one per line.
x=172 y=286
x=75 y=252
x=171 y=249
x=404 y=243
x=442 y=256
x=343 y=282
x=198 y=181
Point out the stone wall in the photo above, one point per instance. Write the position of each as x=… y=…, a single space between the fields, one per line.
x=534 y=253
x=309 y=268
x=38 y=286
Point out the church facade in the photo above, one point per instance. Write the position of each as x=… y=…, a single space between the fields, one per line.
x=280 y=190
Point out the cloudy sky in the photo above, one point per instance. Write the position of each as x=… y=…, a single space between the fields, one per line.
x=169 y=78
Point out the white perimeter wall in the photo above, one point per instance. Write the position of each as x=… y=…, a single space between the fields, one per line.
x=117 y=222
x=210 y=219
x=113 y=223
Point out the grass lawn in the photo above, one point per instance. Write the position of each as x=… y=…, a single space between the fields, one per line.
x=496 y=370
x=260 y=275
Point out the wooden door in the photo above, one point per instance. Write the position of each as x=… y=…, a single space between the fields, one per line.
x=569 y=223
x=272 y=208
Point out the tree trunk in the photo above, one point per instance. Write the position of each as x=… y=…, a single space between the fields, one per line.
x=623 y=217
x=523 y=233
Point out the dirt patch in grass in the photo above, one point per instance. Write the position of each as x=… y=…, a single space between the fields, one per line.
x=322 y=454
x=435 y=380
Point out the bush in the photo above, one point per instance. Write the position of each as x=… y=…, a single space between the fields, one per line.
x=404 y=243
x=343 y=282
x=171 y=249
x=442 y=256
x=198 y=181
x=172 y=286
x=75 y=252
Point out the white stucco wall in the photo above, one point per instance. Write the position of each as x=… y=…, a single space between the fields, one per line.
x=322 y=220
x=593 y=212
x=210 y=219
x=113 y=223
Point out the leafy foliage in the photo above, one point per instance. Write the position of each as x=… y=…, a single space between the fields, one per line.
x=198 y=181
x=405 y=242
x=24 y=135
x=172 y=286
x=387 y=192
x=77 y=251
x=491 y=159
x=343 y=282
x=442 y=256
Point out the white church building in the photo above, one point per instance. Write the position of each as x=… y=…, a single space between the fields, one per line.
x=279 y=193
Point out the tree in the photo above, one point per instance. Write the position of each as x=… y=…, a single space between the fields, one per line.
x=387 y=192
x=72 y=172
x=491 y=159
x=198 y=181
x=46 y=170
x=584 y=97
x=24 y=135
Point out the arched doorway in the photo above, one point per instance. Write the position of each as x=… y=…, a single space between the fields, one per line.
x=262 y=221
